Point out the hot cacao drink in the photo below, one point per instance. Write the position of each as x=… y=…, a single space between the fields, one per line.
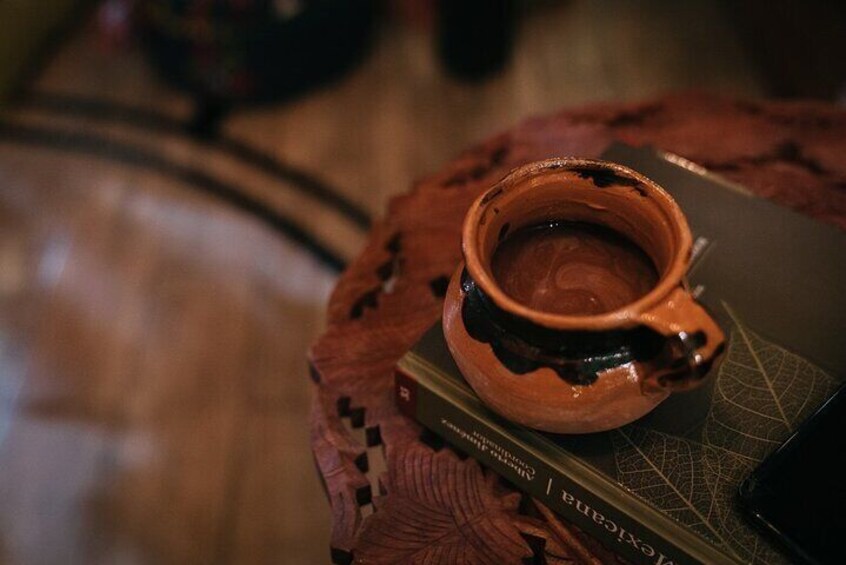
x=570 y=312
x=572 y=268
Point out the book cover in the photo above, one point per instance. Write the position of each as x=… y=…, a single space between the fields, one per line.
x=662 y=489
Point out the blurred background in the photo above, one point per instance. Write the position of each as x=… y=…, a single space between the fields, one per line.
x=181 y=181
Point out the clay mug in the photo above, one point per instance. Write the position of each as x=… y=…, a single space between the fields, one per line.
x=579 y=373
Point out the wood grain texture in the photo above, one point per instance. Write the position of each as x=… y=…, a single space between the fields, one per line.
x=142 y=414
x=790 y=153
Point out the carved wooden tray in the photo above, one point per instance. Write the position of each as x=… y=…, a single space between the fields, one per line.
x=394 y=498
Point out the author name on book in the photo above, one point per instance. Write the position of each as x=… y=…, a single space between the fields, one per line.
x=489 y=447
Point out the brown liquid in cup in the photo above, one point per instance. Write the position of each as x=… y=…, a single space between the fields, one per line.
x=572 y=268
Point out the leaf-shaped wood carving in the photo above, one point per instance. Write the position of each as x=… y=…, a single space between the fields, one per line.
x=440 y=510
x=762 y=392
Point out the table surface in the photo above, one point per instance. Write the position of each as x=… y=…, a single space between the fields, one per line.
x=369 y=455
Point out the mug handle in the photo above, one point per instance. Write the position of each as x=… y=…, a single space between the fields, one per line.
x=694 y=342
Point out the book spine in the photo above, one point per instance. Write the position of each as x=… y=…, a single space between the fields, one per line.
x=618 y=531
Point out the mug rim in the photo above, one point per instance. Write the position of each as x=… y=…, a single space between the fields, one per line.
x=621 y=318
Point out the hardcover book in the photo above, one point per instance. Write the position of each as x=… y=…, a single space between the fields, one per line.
x=663 y=489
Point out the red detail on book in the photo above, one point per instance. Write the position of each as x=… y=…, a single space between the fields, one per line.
x=405 y=392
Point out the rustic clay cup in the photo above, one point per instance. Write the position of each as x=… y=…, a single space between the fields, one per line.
x=578 y=374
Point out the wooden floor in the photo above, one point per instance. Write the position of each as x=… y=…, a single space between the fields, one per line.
x=153 y=388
